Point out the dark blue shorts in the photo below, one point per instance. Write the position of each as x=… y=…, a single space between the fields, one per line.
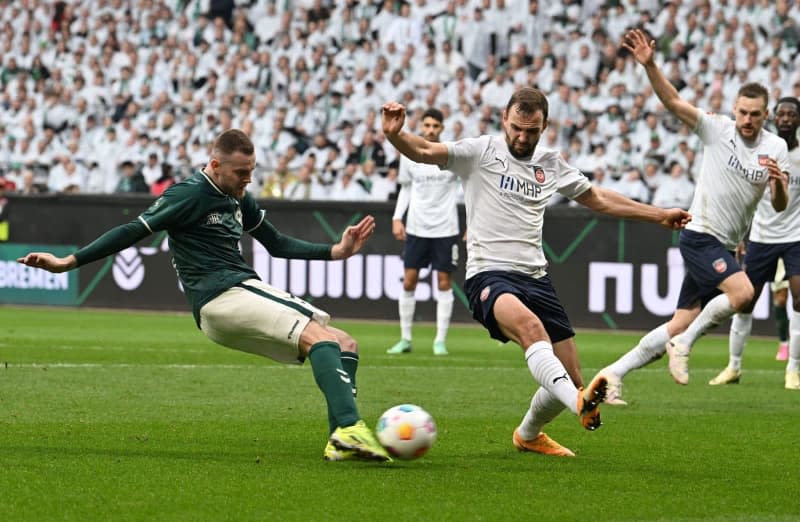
x=440 y=253
x=538 y=295
x=707 y=265
x=761 y=260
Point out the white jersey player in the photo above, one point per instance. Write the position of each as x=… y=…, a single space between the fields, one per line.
x=773 y=236
x=740 y=160
x=429 y=196
x=507 y=184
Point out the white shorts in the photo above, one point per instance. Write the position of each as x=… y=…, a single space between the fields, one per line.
x=257 y=318
x=779 y=283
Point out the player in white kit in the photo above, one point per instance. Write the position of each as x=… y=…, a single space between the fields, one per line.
x=773 y=236
x=430 y=196
x=739 y=160
x=508 y=182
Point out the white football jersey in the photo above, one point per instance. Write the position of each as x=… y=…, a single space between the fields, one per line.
x=770 y=226
x=432 y=209
x=506 y=200
x=732 y=178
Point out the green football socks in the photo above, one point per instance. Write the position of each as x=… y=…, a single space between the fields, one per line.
x=335 y=383
x=781 y=322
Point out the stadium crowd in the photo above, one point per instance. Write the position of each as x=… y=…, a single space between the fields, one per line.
x=115 y=96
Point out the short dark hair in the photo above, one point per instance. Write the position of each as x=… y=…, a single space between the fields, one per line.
x=436 y=114
x=528 y=100
x=233 y=140
x=754 y=90
x=789 y=99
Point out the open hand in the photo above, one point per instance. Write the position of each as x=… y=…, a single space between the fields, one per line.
x=393 y=116
x=48 y=261
x=354 y=238
x=637 y=43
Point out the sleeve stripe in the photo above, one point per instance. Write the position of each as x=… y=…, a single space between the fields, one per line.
x=259 y=222
x=145 y=224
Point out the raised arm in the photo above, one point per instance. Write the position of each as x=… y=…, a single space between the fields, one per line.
x=643 y=51
x=614 y=204
x=416 y=148
x=778 y=186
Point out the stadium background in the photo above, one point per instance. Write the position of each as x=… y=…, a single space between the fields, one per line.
x=111 y=97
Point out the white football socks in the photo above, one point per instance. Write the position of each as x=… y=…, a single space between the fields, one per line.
x=741 y=325
x=651 y=347
x=444 y=310
x=716 y=311
x=406 y=304
x=793 y=365
x=548 y=371
x=544 y=408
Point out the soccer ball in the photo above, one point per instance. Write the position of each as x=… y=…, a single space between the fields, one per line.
x=406 y=431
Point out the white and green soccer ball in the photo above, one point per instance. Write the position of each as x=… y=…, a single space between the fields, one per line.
x=406 y=431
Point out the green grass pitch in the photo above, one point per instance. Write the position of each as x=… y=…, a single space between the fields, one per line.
x=136 y=416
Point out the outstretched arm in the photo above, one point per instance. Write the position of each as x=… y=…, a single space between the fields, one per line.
x=116 y=239
x=281 y=245
x=49 y=262
x=614 y=204
x=416 y=148
x=643 y=50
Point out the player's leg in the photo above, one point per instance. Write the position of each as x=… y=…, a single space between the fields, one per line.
x=760 y=265
x=710 y=265
x=780 y=295
x=444 y=312
x=349 y=348
x=737 y=292
x=528 y=436
x=444 y=260
x=652 y=346
x=545 y=406
x=537 y=326
x=351 y=438
x=349 y=356
x=414 y=258
x=257 y=318
x=792 y=264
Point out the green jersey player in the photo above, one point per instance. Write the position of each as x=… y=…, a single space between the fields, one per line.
x=205 y=217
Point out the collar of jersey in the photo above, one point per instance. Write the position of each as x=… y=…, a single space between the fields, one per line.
x=211 y=182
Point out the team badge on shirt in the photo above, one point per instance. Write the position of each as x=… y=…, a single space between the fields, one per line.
x=720 y=265
x=763 y=159
x=538 y=173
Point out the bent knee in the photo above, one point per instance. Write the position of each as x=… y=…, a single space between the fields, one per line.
x=348 y=344
x=741 y=300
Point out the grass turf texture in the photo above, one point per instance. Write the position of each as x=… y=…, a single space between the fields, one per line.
x=136 y=416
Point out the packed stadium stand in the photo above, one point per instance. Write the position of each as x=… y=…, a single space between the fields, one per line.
x=115 y=96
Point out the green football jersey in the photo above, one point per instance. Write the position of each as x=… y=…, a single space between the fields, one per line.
x=204 y=226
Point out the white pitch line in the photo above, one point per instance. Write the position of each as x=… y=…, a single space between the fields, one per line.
x=443 y=367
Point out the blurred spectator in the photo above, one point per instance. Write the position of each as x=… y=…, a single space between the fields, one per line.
x=676 y=190
x=125 y=81
x=306 y=186
x=165 y=181
x=630 y=184
x=369 y=149
x=131 y=179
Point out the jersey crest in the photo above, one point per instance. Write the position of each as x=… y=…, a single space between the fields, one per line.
x=538 y=174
